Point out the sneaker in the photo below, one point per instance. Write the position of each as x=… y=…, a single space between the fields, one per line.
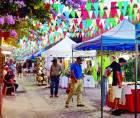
x=66 y=106
x=106 y=108
x=80 y=105
x=51 y=96
x=116 y=113
x=13 y=94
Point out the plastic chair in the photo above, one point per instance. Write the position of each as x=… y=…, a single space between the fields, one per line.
x=7 y=87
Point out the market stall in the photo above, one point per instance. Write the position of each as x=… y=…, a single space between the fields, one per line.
x=63 y=50
x=120 y=38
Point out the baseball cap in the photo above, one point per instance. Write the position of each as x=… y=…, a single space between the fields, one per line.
x=54 y=60
x=79 y=58
x=122 y=60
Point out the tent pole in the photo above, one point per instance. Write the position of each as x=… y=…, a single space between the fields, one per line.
x=136 y=76
x=101 y=78
x=72 y=55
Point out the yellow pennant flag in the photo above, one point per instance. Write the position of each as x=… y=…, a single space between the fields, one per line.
x=79 y=14
x=116 y=20
x=135 y=11
x=119 y=13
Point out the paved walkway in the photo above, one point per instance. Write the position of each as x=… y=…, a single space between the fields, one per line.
x=33 y=102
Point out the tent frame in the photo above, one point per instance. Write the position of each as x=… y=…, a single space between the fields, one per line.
x=136 y=76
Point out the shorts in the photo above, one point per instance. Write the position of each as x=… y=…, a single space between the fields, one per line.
x=117 y=92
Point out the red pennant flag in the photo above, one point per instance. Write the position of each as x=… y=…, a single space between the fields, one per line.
x=85 y=15
x=105 y=15
x=121 y=18
x=75 y=21
x=113 y=9
x=97 y=22
x=81 y=25
x=65 y=34
x=73 y=29
x=50 y=29
x=113 y=12
x=54 y=38
x=48 y=40
x=113 y=4
x=47 y=6
x=56 y=28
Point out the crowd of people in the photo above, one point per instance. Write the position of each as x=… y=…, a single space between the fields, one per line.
x=76 y=83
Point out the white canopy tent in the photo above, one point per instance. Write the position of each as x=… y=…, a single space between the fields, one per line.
x=64 y=49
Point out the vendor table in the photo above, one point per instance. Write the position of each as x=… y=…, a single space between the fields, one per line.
x=130 y=102
x=88 y=81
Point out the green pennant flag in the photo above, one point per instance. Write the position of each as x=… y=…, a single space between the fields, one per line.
x=130 y=11
x=88 y=6
x=120 y=5
x=56 y=7
x=88 y=34
x=89 y=22
x=73 y=13
x=135 y=18
x=96 y=28
x=101 y=13
x=130 y=18
x=113 y=22
x=51 y=39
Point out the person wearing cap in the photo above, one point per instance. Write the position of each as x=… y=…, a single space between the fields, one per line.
x=76 y=82
x=55 y=73
x=117 y=84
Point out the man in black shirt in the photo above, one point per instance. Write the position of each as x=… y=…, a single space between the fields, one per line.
x=117 y=83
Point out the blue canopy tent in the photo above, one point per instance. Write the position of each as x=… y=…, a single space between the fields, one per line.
x=120 y=38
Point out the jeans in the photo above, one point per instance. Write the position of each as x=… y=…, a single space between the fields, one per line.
x=54 y=85
x=104 y=88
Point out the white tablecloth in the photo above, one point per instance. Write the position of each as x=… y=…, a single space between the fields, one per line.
x=88 y=81
x=63 y=82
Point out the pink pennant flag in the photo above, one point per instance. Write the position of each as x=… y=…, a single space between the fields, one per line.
x=83 y=6
x=131 y=1
x=85 y=15
x=138 y=17
x=108 y=13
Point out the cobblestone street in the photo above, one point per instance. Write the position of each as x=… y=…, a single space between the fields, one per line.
x=33 y=101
